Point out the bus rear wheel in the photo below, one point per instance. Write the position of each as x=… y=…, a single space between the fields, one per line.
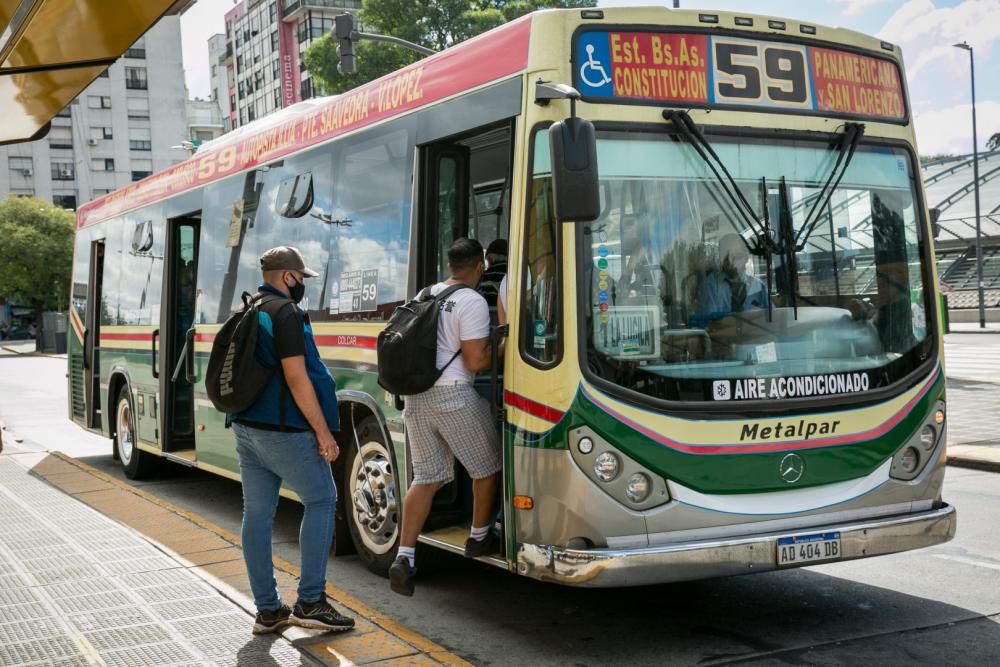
x=136 y=463
x=373 y=515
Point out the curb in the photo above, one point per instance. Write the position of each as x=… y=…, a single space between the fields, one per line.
x=330 y=648
x=977 y=457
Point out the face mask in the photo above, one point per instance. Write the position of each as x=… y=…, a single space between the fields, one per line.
x=296 y=291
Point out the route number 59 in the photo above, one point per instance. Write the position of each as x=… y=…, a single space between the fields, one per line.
x=748 y=72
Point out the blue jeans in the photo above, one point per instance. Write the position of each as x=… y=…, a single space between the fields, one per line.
x=266 y=459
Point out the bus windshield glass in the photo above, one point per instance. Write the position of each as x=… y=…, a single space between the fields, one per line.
x=680 y=303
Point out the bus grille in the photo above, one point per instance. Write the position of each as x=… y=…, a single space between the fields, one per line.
x=76 y=385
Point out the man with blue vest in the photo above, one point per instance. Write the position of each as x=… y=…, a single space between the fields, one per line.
x=285 y=436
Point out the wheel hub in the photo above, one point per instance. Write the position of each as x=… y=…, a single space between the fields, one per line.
x=374 y=494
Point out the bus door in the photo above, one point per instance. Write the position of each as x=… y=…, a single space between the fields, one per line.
x=177 y=335
x=464 y=189
x=92 y=334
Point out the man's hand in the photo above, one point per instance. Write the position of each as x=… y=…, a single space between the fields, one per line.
x=328 y=448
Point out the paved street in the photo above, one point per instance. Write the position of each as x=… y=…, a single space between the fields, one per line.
x=936 y=606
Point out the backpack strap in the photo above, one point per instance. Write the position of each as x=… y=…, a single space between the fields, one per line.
x=441 y=296
x=269 y=303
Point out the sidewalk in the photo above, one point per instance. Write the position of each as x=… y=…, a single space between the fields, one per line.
x=974 y=424
x=95 y=572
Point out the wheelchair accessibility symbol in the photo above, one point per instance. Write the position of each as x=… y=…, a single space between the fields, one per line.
x=592 y=72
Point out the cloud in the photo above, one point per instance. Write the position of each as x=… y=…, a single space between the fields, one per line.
x=949 y=130
x=926 y=33
x=857 y=7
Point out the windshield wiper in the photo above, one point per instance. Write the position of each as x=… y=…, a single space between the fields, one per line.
x=848 y=144
x=693 y=136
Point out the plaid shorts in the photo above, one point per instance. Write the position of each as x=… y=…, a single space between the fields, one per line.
x=449 y=421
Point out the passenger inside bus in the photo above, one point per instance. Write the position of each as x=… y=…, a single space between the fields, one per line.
x=730 y=288
x=496 y=269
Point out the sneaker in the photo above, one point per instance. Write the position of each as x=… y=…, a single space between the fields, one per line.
x=271 y=620
x=319 y=615
x=401 y=576
x=484 y=547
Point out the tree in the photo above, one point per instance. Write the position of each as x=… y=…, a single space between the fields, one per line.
x=36 y=253
x=993 y=143
x=436 y=24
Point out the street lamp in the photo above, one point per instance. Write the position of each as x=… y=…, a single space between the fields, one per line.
x=975 y=184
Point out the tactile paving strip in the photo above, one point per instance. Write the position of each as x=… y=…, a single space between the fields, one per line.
x=78 y=590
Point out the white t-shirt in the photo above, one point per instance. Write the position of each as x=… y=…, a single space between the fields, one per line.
x=464 y=316
x=503 y=294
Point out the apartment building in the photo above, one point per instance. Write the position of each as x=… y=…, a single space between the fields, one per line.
x=264 y=44
x=120 y=129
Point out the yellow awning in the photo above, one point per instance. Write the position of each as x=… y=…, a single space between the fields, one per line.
x=50 y=50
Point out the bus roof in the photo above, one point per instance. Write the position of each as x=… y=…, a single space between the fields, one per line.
x=493 y=55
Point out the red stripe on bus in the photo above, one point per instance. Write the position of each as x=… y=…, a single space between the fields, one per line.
x=340 y=340
x=764 y=447
x=491 y=56
x=326 y=340
x=127 y=336
x=533 y=408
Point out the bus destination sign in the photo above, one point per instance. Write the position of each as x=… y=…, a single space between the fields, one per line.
x=715 y=70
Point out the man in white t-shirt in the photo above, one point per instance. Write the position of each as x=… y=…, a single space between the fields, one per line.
x=451 y=419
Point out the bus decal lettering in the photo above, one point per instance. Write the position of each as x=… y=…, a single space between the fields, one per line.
x=800 y=430
x=791 y=387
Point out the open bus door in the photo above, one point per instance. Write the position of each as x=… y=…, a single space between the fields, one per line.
x=453 y=177
x=177 y=339
x=92 y=334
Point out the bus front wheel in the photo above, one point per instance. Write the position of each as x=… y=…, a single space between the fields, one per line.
x=136 y=463
x=371 y=503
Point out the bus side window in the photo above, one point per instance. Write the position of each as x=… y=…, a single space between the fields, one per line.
x=540 y=289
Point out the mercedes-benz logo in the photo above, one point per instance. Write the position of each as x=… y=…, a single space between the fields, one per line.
x=791 y=468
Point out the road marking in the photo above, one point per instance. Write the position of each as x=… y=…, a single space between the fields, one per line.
x=969 y=561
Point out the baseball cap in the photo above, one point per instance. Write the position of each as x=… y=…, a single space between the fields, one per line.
x=285 y=258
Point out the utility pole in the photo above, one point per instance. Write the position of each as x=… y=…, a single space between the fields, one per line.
x=975 y=184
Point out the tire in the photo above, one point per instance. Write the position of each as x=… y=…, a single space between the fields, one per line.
x=370 y=502
x=136 y=463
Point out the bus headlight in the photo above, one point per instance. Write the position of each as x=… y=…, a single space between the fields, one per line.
x=585 y=445
x=928 y=438
x=606 y=466
x=909 y=460
x=637 y=487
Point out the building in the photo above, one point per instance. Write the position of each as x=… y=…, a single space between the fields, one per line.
x=204 y=121
x=219 y=77
x=949 y=186
x=264 y=44
x=120 y=129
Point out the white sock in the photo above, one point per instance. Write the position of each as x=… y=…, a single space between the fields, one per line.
x=410 y=553
x=478 y=534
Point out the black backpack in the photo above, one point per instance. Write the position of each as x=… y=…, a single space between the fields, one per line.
x=407 y=347
x=234 y=378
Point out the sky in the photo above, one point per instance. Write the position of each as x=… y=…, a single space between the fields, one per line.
x=936 y=72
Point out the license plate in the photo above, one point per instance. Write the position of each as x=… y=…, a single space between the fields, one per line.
x=803 y=549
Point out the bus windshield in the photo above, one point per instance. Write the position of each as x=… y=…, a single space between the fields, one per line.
x=679 y=303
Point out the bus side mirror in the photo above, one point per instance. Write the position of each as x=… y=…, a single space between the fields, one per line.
x=935 y=227
x=573 y=147
x=573 y=151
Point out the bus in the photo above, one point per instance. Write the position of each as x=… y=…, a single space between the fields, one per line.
x=722 y=356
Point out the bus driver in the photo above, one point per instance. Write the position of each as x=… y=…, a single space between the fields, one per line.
x=730 y=289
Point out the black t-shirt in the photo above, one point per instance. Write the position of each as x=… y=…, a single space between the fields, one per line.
x=287 y=331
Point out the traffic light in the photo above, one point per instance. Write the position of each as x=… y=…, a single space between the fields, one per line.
x=345 y=29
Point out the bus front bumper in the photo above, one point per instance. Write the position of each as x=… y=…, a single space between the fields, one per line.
x=600 y=568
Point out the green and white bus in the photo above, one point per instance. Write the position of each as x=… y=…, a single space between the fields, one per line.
x=652 y=431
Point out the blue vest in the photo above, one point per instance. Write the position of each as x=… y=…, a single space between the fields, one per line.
x=267 y=408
